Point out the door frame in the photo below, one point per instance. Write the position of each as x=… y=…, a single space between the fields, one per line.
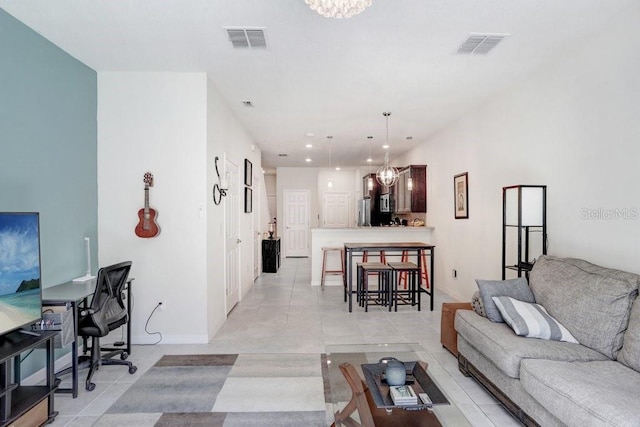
x=233 y=196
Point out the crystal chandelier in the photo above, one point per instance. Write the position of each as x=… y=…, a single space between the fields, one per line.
x=338 y=8
x=387 y=175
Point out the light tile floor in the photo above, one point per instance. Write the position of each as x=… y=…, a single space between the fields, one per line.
x=283 y=313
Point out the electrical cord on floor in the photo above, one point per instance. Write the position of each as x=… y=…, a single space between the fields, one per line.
x=147 y=324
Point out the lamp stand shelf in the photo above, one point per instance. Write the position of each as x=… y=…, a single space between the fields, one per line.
x=524 y=216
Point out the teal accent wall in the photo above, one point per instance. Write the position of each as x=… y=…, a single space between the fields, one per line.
x=48 y=146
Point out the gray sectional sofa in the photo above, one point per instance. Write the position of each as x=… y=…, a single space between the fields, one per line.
x=554 y=383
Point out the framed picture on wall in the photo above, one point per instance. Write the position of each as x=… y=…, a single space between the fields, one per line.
x=248 y=173
x=248 y=200
x=461 y=196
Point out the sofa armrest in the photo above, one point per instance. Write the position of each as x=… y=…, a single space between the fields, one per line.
x=448 y=334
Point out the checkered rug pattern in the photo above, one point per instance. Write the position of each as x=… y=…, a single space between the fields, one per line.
x=229 y=390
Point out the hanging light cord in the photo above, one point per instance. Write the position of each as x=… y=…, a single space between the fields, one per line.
x=387 y=114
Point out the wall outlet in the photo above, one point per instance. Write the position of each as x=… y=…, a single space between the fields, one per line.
x=454 y=273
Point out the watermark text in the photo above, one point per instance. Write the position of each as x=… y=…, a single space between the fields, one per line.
x=612 y=214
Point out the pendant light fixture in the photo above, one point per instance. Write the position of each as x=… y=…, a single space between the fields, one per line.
x=387 y=175
x=370 y=160
x=330 y=182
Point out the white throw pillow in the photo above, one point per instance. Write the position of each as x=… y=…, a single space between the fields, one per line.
x=531 y=320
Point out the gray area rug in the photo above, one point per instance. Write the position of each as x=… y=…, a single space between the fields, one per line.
x=227 y=390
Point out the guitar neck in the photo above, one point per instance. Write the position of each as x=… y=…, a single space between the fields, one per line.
x=146 y=198
x=145 y=223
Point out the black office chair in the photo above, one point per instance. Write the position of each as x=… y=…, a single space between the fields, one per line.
x=106 y=313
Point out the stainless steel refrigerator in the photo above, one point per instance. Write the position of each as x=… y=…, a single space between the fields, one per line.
x=364 y=212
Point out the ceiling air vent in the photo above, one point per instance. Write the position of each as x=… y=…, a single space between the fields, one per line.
x=480 y=43
x=247 y=38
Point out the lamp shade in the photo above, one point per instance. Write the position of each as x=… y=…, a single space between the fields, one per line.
x=529 y=200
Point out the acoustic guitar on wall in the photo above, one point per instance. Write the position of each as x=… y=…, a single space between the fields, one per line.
x=147 y=226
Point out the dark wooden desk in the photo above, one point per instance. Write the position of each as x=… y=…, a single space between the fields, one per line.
x=22 y=405
x=74 y=295
x=390 y=249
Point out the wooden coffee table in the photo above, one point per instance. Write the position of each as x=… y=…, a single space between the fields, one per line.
x=364 y=358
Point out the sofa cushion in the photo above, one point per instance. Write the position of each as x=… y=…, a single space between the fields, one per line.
x=592 y=302
x=584 y=393
x=498 y=343
x=630 y=352
x=514 y=288
x=476 y=304
x=531 y=320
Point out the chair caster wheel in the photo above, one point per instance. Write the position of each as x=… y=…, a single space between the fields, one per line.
x=133 y=369
x=124 y=355
x=90 y=386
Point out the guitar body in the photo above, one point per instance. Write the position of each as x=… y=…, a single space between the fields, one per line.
x=147 y=226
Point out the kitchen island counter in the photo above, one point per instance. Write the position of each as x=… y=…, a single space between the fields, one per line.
x=337 y=237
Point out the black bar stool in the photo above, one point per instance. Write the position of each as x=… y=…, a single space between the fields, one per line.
x=380 y=295
x=411 y=295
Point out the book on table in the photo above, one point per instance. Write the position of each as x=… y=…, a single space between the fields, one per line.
x=403 y=395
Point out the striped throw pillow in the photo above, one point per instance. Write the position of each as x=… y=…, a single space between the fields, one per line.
x=531 y=320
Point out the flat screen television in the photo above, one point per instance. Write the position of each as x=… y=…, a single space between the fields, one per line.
x=20 y=284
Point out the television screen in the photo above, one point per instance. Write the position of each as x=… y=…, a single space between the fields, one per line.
x=20 y=288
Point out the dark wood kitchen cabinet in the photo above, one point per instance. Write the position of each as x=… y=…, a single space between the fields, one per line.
x=377 y=216
x=414 y=200
x=271 y=255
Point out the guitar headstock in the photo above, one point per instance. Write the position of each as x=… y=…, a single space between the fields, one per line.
x=148 y=179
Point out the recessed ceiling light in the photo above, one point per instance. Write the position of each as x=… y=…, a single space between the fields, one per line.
x=308 y=159
x=337 y=168
x=385 y=146
x=369 y=160
x=309 y=145
x=310 y=134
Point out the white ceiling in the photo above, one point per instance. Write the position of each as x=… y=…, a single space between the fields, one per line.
x=326 y=76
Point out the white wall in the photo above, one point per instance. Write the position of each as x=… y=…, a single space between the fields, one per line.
x=156 y=122
x=225 y=136
x=572 y=126
x=270 y=182
x=173 y=125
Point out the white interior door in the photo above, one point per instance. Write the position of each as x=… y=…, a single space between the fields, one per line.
x=232 y=240
x=296 y=223
x=335 y=209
